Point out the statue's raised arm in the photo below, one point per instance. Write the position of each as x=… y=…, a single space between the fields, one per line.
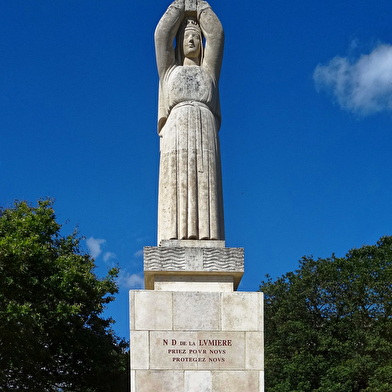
x=213 y=32
x=190 y=201
x=165 y=33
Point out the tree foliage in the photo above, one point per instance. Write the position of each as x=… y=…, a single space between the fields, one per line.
x=52 y=333
x=328 y=325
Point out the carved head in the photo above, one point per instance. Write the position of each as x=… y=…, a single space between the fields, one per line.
x=189 y=41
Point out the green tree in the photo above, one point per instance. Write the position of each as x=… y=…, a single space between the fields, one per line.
x=52 y=333
x=328 y=325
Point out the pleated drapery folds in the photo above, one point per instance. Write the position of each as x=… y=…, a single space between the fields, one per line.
x=190 y=190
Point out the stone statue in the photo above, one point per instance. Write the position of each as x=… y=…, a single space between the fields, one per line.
x=190 y=202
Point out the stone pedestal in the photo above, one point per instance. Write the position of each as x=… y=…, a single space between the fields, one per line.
x=190 y=330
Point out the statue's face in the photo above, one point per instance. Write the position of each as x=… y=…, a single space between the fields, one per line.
x=191 y=44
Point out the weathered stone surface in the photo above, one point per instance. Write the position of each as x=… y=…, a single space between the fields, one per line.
x=193 y=243
x=139 y=354
x=132 y=295
x=159 y=381
x=254 y=350
x=242 y=311
x=196 y=311
x=133 y=380
x=209 y=283
x=235 y=381
x=198 y=381
x=153 y=310
x=261 y=381
x=190 y=6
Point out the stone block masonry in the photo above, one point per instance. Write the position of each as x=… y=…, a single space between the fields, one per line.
x=196 y=341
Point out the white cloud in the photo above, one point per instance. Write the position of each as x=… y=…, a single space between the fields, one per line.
x=108 y=256
x=130 y=281
x=94 y=245
x=139 y=253
x=363 y=86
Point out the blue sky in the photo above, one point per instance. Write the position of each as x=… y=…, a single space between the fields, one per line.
x=306 y=96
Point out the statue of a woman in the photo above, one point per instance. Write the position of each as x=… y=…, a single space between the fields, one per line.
x=190 y=204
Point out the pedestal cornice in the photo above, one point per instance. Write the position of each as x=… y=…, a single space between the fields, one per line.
x=195 y=261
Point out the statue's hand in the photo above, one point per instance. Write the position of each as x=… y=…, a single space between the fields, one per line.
x=179 y=4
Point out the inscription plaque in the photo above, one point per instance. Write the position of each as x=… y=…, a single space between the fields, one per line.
x=197 y=350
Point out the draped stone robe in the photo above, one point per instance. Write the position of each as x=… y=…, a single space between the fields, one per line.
x=190 y=202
